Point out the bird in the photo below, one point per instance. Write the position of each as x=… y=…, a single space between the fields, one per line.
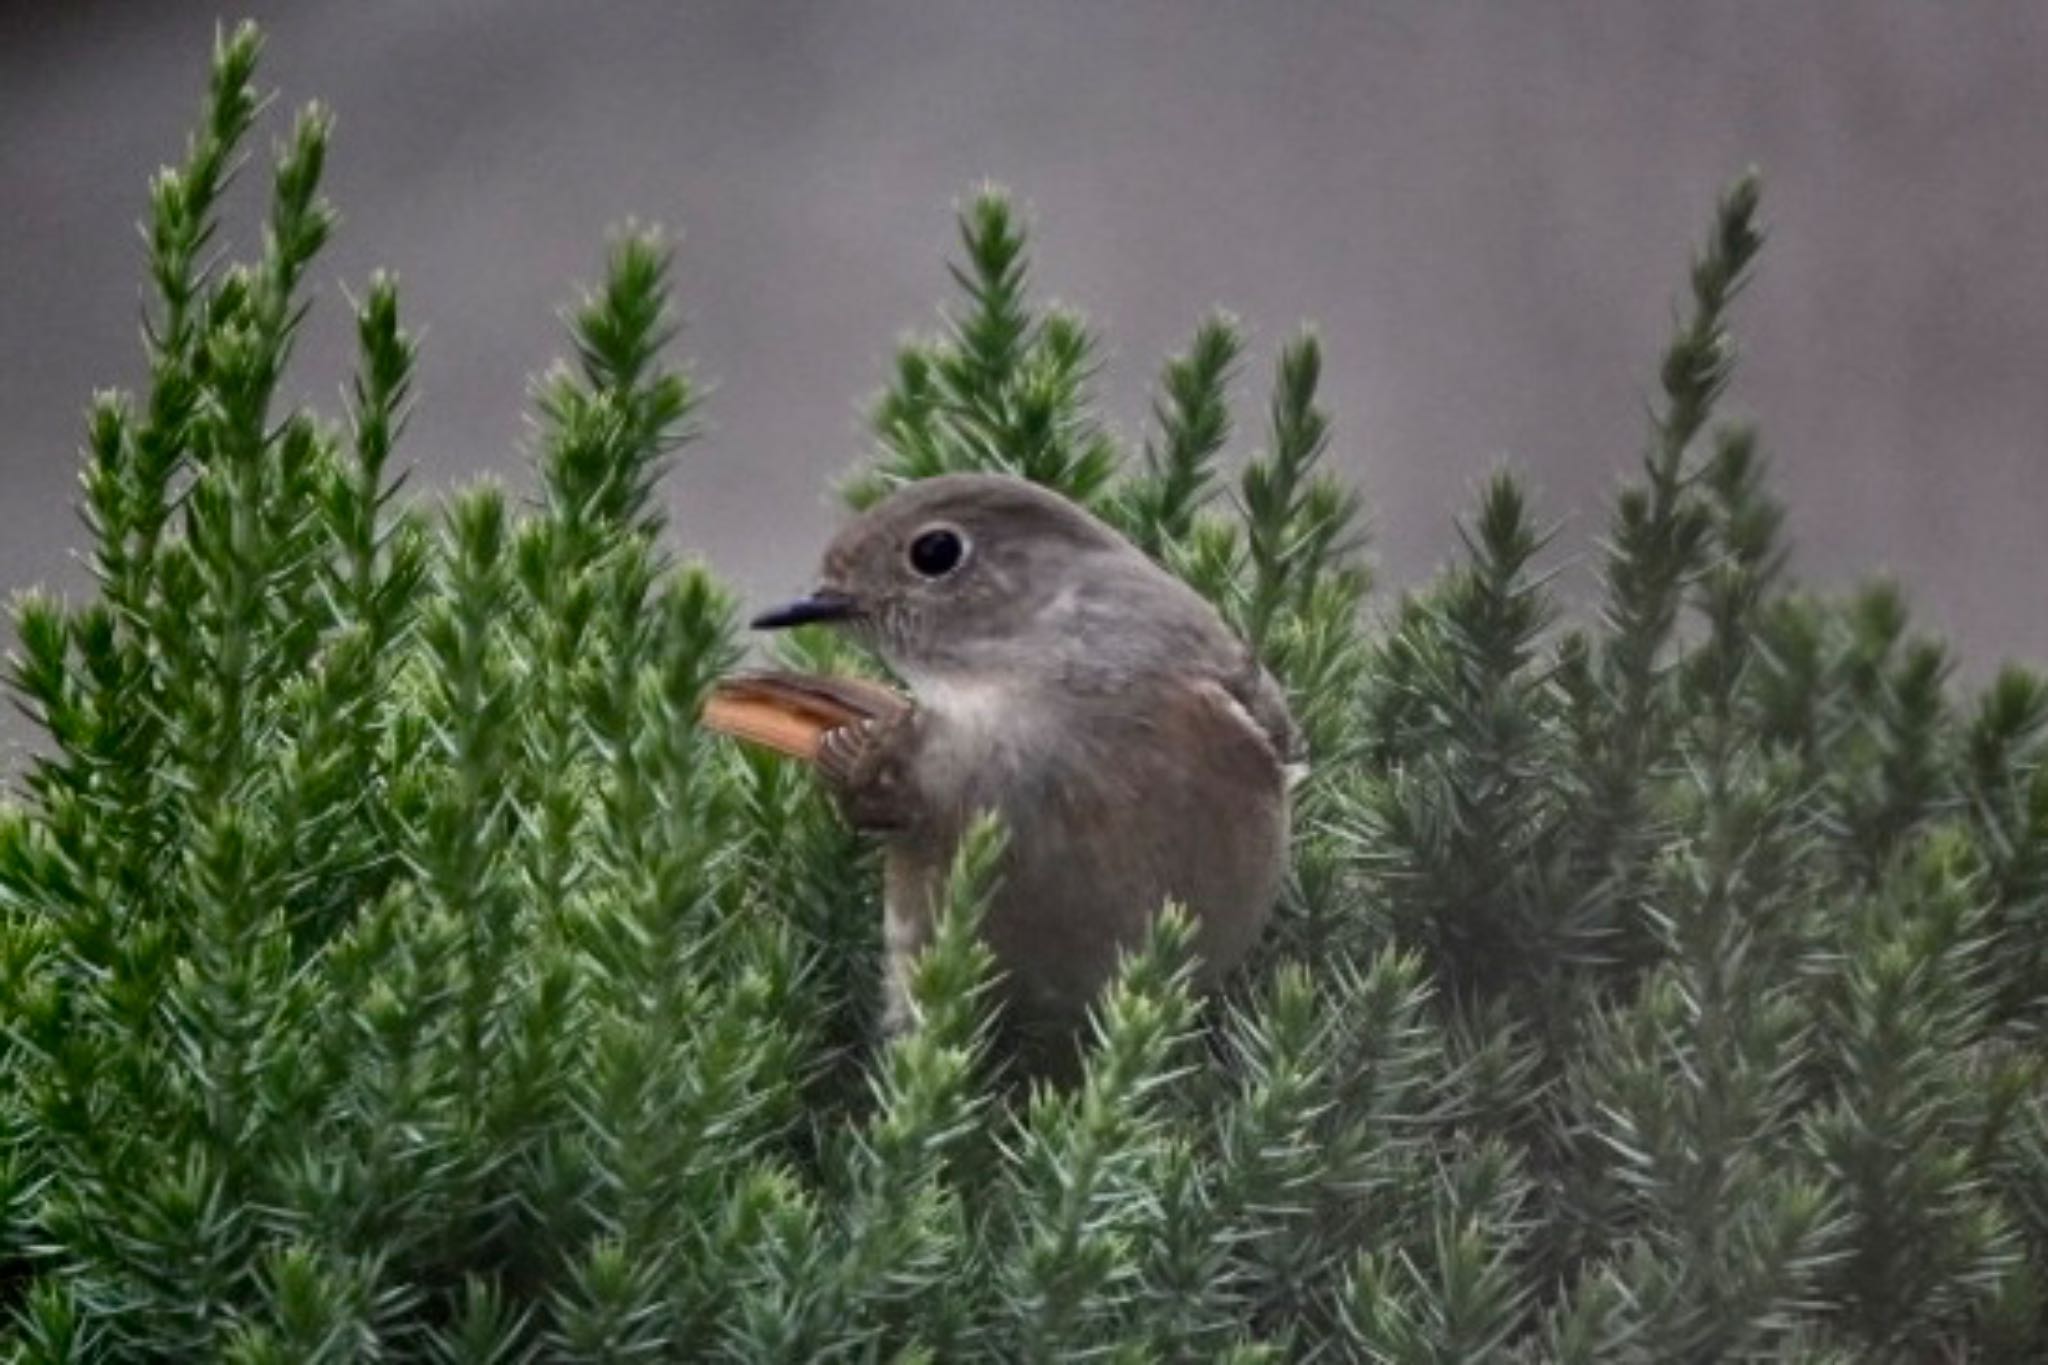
x=1135 y=749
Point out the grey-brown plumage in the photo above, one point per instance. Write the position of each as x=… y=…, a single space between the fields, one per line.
x=1134 y=747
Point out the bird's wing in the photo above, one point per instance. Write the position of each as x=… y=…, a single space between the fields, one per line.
x=1265 y=703
x=791 y=713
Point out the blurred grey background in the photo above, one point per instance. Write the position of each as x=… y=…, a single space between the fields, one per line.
x=1487 y=209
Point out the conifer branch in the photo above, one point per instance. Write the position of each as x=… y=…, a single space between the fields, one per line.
x=1193 y=415
x=1657 y=543
x=1076 y=1154
x=1299 y=522
x=1006 y=387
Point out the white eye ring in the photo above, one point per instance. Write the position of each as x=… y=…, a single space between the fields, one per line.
x=937 y=550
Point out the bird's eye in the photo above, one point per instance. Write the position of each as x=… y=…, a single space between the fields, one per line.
x=937 y=552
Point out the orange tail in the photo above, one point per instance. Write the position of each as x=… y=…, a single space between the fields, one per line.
x=791 y=713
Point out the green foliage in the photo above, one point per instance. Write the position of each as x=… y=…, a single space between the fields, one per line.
x=1005 y=387
x=390 y=969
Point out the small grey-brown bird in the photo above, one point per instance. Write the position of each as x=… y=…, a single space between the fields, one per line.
x=1134 y=747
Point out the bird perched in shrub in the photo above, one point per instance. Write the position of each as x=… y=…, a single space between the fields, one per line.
x=1133 y=746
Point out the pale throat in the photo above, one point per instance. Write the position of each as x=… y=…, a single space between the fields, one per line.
x=983 y=704
x=993 y=690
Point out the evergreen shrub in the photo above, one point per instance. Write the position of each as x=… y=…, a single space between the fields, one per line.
x=390 y=970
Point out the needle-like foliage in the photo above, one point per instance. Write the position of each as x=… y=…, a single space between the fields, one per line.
x=390 y=969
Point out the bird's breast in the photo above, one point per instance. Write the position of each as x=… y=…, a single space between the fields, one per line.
x=971 y=708
x=977 y=736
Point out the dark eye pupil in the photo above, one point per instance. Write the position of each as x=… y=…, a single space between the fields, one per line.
x=935 y=553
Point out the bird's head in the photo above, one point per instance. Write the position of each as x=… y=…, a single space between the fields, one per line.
x=959 y=575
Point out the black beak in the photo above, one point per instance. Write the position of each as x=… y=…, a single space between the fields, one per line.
x=822 y=605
